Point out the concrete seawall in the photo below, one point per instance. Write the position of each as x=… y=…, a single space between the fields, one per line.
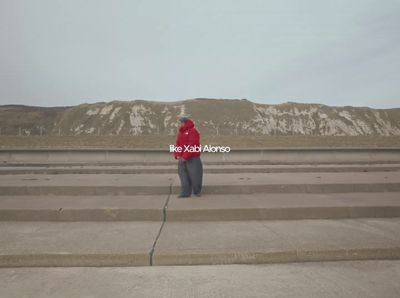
x=248 y=156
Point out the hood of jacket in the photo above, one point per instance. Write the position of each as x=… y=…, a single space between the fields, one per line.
x=188 y=124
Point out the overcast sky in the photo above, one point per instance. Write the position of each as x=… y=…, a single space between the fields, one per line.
x=68 y=52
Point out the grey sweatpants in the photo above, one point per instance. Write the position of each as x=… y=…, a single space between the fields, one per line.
x=191 y=175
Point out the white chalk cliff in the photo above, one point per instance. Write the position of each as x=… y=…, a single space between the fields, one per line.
x=212 y=116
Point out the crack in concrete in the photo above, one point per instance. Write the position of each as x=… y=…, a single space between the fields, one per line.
x=163 y=223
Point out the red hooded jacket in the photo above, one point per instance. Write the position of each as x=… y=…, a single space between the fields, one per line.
x=187 y=135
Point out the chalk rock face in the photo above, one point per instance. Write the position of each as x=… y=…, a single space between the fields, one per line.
x=211 y=116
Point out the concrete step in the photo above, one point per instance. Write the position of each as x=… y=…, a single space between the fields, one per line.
x=248 y=183
x=86 y=184
x=264 y=206
x=257 y=242
x=207 y=208
x=26 y=244
x=83 y=208
x=153 y=184
x=161 y=169
x=367 y=279
x=294 y=155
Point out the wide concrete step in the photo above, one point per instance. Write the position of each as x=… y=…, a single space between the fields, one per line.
x=227 y=168
x=25 y=244
x=248 y=183
x=276 y=155
x=207 y=208
x=83 y=208
x=257 y=242
x=367 y=279
x=273 y=206
x=86 y=184
x=153 y=184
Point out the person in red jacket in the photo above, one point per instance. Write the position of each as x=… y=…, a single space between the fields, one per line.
x=190 y=167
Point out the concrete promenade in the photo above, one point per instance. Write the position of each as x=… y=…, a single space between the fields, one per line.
x=366 y=279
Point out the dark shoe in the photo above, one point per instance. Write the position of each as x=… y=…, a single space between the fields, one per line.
x=182 y=196
x=197 y=195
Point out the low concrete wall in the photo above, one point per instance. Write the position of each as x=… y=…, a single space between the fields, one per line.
x=256 y=156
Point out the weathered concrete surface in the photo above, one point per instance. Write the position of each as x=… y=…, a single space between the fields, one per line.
x=151 y=184
x=208 y=168
x=76 y=243
x=270 y=155
x=86 y=184
x=207 y=208
x=26 y=244
x=367 y=279
x=246 y=183
x=283 y=206
x=301 y=178
x=83 y=208
x=278 y=195
x=87 y=179
x=255 y=242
